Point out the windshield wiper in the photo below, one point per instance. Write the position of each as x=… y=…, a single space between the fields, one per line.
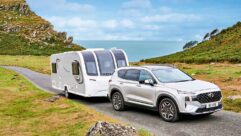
x=184 y=80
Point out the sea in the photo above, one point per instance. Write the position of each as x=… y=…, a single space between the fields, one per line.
x=138 y=50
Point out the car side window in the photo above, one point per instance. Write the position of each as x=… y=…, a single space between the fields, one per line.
x=132 y=74
x=144 y=75
x=121 y=73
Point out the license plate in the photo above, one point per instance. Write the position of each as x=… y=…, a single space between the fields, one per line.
x=211 y=105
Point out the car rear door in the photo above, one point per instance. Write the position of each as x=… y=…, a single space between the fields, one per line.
x=129 y=83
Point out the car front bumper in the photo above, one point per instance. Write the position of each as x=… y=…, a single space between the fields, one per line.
x=196 y=108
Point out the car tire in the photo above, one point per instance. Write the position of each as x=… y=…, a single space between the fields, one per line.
x=117 y=101
x=168 y=110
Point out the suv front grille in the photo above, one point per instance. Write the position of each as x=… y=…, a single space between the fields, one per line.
x=209 y=97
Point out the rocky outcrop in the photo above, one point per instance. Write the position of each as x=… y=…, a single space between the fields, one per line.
x=69 y=40
x=109 y=129
x=22 y=8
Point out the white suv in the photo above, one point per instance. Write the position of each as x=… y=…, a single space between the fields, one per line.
x=164 y=88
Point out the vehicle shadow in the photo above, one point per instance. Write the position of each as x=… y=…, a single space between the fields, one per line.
x=183 y=117
x=91 y=100
x=142 y=111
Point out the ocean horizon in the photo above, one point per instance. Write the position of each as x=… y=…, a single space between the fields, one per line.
x=137 y=50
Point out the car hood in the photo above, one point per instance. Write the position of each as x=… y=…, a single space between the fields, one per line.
x=191 y=86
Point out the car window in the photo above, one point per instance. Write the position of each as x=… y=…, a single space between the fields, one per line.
x=121 y=73
x=144 y=75
x=132 y=74
x=171 y=75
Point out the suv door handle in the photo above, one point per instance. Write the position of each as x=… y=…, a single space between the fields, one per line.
x=138 y=85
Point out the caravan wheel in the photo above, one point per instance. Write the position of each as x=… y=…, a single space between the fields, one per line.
x=66 y=93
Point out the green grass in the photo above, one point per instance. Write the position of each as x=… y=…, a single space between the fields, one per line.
x=36 y=63
x=224 y=47
x=232 y=105
x=25 y=111
x=143 y=132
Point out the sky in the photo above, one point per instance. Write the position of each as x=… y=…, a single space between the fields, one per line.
x=155 y=20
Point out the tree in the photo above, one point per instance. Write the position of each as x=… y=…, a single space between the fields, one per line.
x=206 y=36
x=190 y=44
x=214 y=32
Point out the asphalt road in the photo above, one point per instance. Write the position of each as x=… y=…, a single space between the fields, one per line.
x=222 y=123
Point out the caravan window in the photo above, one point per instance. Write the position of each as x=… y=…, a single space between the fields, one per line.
x=75 y=68
x=106 y=62
x=54 y=68
x=90 y=63
x=120 y=58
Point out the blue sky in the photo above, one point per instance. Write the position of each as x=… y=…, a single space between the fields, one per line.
x=159 y=20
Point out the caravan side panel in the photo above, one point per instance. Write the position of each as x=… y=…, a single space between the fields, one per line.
x=64 y=76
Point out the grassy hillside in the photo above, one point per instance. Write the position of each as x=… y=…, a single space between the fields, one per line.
x=22 y=32
x=225 y=46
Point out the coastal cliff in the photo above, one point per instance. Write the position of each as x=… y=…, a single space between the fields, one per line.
x=22 y=32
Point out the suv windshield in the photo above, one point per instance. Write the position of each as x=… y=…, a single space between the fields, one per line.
x=171 y=75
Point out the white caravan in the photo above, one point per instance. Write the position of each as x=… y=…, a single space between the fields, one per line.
x=86 y=73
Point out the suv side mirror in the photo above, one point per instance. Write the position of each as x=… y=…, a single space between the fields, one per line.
x=147 y=82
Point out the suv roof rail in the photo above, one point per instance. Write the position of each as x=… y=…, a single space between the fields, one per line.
x=167 y=65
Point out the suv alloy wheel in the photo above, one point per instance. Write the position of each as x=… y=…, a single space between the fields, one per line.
x=168 y=110
x=118 y=101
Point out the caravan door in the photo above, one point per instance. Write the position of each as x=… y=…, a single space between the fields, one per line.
x=106 y=67
x=93 y=85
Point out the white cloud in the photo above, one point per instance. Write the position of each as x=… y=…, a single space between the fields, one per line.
x=102 y=35
x=76 y=23
x=170 y=17
x=91 y=29
x=111 y=24
x=62 y=5
x=164 y=10
x=114 y=24
x=152 y=27
x=198 y=37
x=137 y=4
x=126 y=23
